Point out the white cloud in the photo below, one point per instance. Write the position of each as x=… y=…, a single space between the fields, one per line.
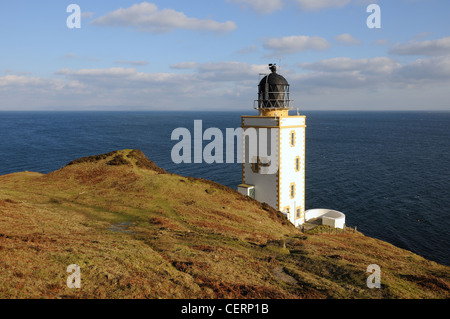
x=311 y=5
x=261 y=6
x=87 y=14
x=185 y=65
x=380 y=65
x=373 y=73
x=121 y=78
x=431 y=69
x=248 y=49
x=426 y=48
x=136 y=63
x=342 y=74
x=381 y=42
x=111 y=72
x=146 y=17
x=194 y=89
x=271 y=6
x=224 y=71
x=347 y=39
x=231 y=84
x=21 y=81
x=294 y=44
x=230 y=71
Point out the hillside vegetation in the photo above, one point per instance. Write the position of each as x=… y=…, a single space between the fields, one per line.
x=137 y=231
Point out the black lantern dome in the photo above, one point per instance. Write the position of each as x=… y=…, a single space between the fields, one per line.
x=273 y=91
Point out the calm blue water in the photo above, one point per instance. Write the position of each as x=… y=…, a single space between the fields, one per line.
x=388 y=172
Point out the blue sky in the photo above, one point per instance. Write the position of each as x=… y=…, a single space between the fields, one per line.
x=207 y=55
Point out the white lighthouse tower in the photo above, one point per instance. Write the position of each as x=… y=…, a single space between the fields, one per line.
x=273 y=169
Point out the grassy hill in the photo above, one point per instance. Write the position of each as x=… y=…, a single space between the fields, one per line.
x=137 y=231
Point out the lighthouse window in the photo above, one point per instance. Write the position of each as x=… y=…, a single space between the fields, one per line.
x=292 y=190
x=292 y=138
x=297 y=164
x=298 y=212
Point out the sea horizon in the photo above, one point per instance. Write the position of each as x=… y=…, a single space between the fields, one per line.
x=243 y=111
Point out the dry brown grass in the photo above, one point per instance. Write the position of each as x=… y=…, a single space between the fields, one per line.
x=137 y=231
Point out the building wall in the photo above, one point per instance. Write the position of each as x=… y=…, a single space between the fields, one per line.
x=290 y=174
x=275 y=189
x=266 y=185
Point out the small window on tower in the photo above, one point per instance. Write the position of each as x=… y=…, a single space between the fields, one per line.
x=299 y=212
x=292 y=190
x=297 y=164
x=292 y=138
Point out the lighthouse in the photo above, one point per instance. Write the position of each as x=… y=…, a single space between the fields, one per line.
x=273 y=145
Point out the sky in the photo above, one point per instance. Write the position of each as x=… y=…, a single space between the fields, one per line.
x=209 y=55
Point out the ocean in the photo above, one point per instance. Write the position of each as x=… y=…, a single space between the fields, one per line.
x=388 y=172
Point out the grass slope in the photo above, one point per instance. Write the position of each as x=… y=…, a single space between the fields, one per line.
x=137 y=231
